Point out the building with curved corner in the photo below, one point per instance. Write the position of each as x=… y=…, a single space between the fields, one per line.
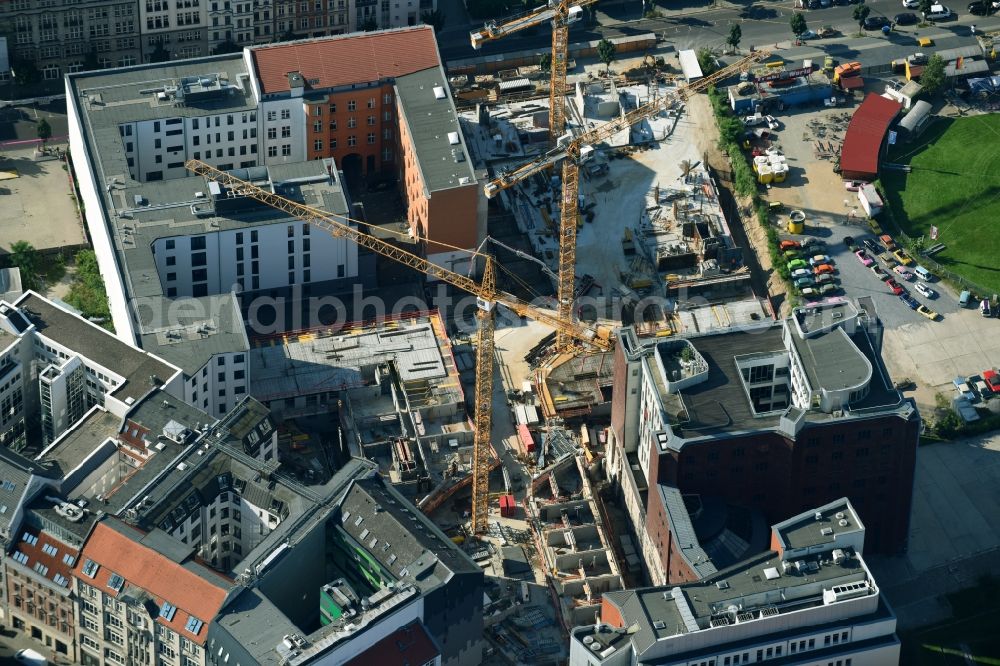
x=774 y=417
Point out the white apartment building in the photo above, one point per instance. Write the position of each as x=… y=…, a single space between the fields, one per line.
x=58 y=365
x=809 y=601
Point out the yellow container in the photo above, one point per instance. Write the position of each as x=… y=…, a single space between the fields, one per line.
x=779 y=175
x=925 y=41
x=764 y=175
x=796 y=227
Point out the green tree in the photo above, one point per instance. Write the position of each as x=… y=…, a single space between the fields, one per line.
x=925 y=6
x=368 y=25
x=435 y=19
x=606 y=52
x=228 y=46
x=44 y=130
x=861 y=12
x=735 y=35
x=707 y=61
x=798 y=23
x=545 y=61
x=288 y=36
x=25 y=73
x=90 y=61
x=932 y=79
x=25 y=257
x=87 y=292
x=160 y=53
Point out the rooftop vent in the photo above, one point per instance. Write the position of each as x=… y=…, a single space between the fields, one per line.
x=818 y=515
x=843 y=522
x=453 y=138
x=826 y=531
x=439 y=92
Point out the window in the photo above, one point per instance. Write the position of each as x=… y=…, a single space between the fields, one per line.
x=272 y=151
x=333 y=124
x=286 y=114
x=286 y=131
x=352 y=122
x=286 y=149
x=318 y=144
x=352 y=140
x=371 y=103
x=333 y=108
x=272 y=115
x=352 y=105
x=371 y=120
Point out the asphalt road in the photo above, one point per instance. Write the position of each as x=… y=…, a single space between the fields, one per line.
x=17 y=123
x=763 y=25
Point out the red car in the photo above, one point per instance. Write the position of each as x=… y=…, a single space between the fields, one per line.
x=992 y=380
x=823 y=268
x=894 y=286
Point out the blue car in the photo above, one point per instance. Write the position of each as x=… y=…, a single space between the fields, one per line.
x=909 y=300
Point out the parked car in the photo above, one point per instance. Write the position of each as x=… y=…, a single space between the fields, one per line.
x=964 y=389
x=927 y=312
x=939 y=13
x=924 y=274
x=810 y=292
x=797 y=263
x=853 y=185
x=801 y=273
x=879 y=273
x=903 y=272
x=876 y=22
x=30 y=658
x=807 y=35
x=902 y=257
x=911 y=302
x=828 y=288
x=964 y=299
x=983 y=391
x=804 y=282
x=754 y=120
x=983 y=7
x=792 y=254
x=824 y=278
x=789 y=245
x=894 y=286
x=924 y=290
x=911 y=4
x=772 y=122
x=823 y=268
x=828 y=30
x=992 y=379
x=906 y=384
x=814 y=243
x=887 y=242
x=818 y=259
x=906 y=18
x=848 y=241
x=864 y=258
x=870 y=244
x=984 y=308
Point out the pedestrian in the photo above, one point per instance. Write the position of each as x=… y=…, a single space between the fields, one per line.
x=973 y=29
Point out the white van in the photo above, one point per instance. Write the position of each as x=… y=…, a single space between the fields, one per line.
x=30 y=658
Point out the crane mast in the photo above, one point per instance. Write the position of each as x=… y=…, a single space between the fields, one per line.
x=572 y=154
x=487 y=297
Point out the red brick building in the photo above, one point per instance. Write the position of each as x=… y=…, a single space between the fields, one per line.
x=379 y=104
x=776 y=419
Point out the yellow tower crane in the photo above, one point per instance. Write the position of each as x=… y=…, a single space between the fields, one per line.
x=572 y=152
x=487 y=297
x=561 y=13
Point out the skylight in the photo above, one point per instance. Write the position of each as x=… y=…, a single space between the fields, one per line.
x=116 y=582
x=167 y=611
x=90 y=568
x=193 y=625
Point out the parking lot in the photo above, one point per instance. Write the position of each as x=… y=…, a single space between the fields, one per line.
x=960 y=343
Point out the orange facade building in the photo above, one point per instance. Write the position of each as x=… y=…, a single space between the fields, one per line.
x=379 y=104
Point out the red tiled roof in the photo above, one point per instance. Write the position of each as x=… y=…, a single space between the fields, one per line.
x=409 y=645
x=338 y=61
x=36 y=554
x=863 y=140
x=161 y=577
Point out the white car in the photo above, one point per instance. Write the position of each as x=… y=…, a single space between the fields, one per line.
x=801 y=273
x=938 y=13
x=924 y=290
x=911 y=4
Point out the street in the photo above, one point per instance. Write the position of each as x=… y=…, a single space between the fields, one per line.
x=764 y=25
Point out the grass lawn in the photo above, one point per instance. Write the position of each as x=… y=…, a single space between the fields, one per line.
x=954 y=185
x=973 y=630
